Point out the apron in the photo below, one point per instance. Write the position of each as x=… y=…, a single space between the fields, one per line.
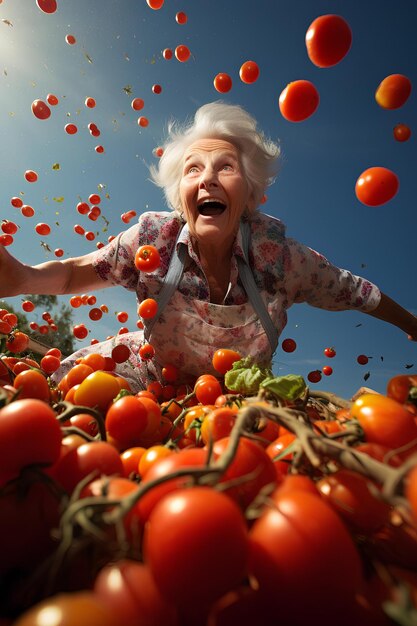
x=186 y=332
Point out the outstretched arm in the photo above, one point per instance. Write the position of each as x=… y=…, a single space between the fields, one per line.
x=390 y=311
x=73 y=275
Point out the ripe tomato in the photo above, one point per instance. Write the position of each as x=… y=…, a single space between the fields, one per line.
x=290 y=550
x=288 y=345
x=328 y=40
x=222 y=82
x=80 y=331
x=95 y=458
x=10 y=228
x=402 y=132
x=148 y=308
x=128 y=590
x=126 y=419
x=40 y=109
x=223 y=360
x=376 y=186
x=155 y=4
x=147 y=259
x=399 y=387
x=130 y=459
x=97 y=389
x=189 y=457
x=207 y=388
x=151 y=456
x=170 y=373
x=182 y=53
x=327 y=370
x=28 y=306
x=249 y=72
x=29 y=434
x=218 y=424
x=362 y=359
x=120 y=353
x=250 y=462
x=181 y=17
x=299 y=100
x=350 y=495
x=384 y=420
x=24 y=545
x=85 y=422
x=50 y=364
x=17 y=342
x=314 y=376
x=196 y=545
x=329 y=352
x=393 y=91
x=81 y=608
x=32 y=384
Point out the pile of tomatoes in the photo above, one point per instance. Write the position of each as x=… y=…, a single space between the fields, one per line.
x=179 y=506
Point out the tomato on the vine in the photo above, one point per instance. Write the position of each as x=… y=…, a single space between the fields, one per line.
x=126 y=419
x=97 y=389
x=32 y=383
x=385 y=421
x=399 y=387
x=196 y=545
x=207 y=388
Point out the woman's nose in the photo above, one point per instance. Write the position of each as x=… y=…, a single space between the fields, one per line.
x=208 y=178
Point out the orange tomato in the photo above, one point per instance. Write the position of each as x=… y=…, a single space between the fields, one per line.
x=299 y=100
x=393 y=91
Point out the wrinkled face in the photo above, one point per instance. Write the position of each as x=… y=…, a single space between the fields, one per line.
x=213 y=190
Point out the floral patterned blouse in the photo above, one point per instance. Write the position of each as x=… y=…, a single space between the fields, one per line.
x=285 y=272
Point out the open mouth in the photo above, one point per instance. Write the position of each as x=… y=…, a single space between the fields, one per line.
x=211 y=207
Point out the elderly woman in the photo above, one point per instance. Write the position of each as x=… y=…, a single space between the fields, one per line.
x=228 y=272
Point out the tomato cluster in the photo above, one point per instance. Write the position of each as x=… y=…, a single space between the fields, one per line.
x=190 y=505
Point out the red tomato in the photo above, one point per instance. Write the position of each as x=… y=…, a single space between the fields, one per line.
x=327 y=370
x=81 y=608
x=86 y=423
x=128 y=590
x=47 y=6
x=71 y=129
x=314 y=376
x=223 y=360
x=155 y=4
x=249 y=72
x=182 y=53
x=402 y=132
x=17 y=342
x=222 y=82
x=151 y=456
x=95 y=314
x=329 y=352
x=181 y=17
x=301 y=543
x=147 y=258
x=80 y=331
x=29 y=434
x=95 y=458
x=50 y=364
x=251 y=461
x=130 y=459
x=31 y=176
x=393 y=91
x=299 y=100
x=376 y=186
x=384 y=420
x=167 y=54
x=122 y=317
x=218 y=424
x=120 y=353
x=351 y=496
x=146 y=351
x=40 y=109
x=288 y=345
x=28 y=306
x=399 y=387
x=156 y=89
x=8 y=227
x=207 y=388
x=137 y=104
x=43 y=229
x=328 y=40
x=189 y=457
x=196 y=545
x=32 y=384
x=70 y=39
x=148 y=308
x=276 y=451
x=126 y=419
x=170 y=373
x=362 y=359
x=90 y=103
x=143 y=121
x=24 y=545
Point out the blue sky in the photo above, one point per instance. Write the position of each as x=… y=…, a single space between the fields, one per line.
x=119 y=48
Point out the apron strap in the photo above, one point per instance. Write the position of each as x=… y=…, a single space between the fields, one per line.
x=255 y=298
x=171 y=282
x=174 y=274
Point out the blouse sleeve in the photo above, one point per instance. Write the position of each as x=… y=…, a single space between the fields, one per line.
x=319 y=283
x=115 y=261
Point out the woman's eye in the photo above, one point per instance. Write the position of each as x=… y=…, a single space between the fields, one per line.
x=227 y=167
x=192 y=169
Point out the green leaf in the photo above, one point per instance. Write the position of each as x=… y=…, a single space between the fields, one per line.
x=245 y=376
x=288 y=387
